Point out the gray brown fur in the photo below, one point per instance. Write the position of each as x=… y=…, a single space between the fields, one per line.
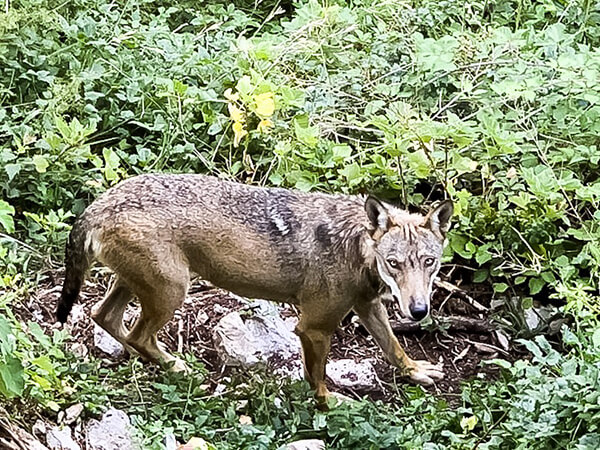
x=327 y=254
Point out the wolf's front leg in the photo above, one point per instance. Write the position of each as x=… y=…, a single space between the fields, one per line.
x=315 y=347
x=375 y=319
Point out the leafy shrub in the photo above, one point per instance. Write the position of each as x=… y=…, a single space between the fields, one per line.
x=501 y=113
x=495 y=104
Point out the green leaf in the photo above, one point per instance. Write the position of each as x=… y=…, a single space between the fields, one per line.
x=536 y=285
x=12 y=382
x=44 y=363
x=483 y=255
x=341 y=152
x=244 y=85
x=480 y=276
x=502 y=363
x=306 y=133
x=40 y=163
x=468 y=423
x=6 y=213
x=111 y=162
x=12 y=170
x=419 y=162
x=373 y=107
x=500 y=287
x=292 y=97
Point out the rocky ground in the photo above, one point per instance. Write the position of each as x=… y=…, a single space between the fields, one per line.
x=225 y=331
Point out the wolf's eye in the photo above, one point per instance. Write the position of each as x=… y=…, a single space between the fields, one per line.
x=393 y=263
x=429 y=262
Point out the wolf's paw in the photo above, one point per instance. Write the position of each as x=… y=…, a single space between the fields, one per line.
x=424 y=372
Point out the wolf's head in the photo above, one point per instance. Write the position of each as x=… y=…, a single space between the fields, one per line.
x=408 y=249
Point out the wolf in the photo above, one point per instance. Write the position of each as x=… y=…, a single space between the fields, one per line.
x=326 y=254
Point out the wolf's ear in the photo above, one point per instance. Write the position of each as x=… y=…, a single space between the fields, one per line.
x=438 y=219
x=377 y=214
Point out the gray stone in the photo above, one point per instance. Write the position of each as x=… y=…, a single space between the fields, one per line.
x=532 y=318
x=60 y=438
x=233 y=341
x=245 y=342
x=273 y=337
x=349 y=373
x=306 y=444
x=78 y=313
x=112 y=432
x=107 y=343
x=538 y=316
x=72 y=413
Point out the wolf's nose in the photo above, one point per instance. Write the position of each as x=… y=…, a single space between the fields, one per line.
x=419 y=312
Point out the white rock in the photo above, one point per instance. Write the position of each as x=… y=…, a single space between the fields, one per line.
x=39 y=428
x=257 y=338
x=306 y=444
x=170 y=442
x=219 y=309
x=59 y=438
x=234 y=342
x=532 y=318
x=77 y=313
x=273 y=337
x=349 y=373
x=112 y=432
x=107 y=343
x=72 y=413
x=80 y=350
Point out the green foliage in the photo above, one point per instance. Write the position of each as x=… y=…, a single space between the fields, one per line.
x=31 y=363
x=551 y=400
x=497 y=109
x=496 y=104
x=11 y=370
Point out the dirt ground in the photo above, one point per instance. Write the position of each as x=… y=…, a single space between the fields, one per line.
x=190 y=331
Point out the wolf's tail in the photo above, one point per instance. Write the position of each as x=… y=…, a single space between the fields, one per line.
x=77 y=262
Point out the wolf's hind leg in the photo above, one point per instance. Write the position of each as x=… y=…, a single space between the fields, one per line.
x=375 y=319
x=158 y=307
x=109 y=313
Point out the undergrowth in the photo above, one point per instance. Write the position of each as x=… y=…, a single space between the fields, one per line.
x=493 y=104
x=551 y=401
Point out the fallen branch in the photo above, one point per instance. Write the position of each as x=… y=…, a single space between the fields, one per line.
x=461 y=294
x=453 y=323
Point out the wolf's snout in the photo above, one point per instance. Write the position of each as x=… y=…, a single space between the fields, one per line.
x=419 y=310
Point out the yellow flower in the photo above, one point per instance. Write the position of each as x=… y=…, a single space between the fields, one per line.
x=264 y=125
x=236 y=114
x=231 y=96
x=265 y=105
x=238 y=133
x=468 y=423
